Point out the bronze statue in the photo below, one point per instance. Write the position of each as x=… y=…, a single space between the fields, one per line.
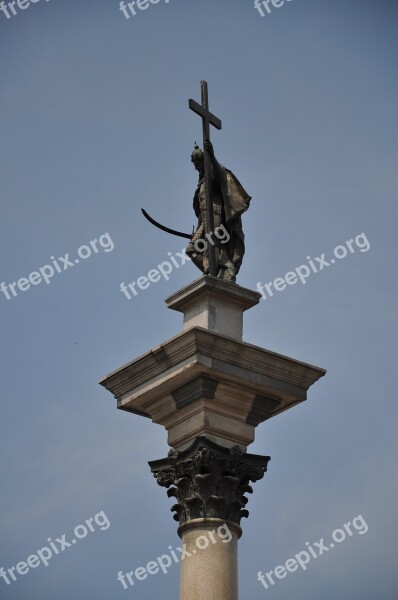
x=229 y=201
x=219 y=202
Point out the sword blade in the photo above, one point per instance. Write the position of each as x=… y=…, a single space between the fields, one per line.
x=164 y=228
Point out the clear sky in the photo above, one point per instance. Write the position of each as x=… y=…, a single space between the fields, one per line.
x=94 y=124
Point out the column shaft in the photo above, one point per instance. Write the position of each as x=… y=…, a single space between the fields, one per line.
x=211 y=572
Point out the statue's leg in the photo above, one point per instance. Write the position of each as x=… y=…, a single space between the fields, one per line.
x=199 y=259
x=226 y=266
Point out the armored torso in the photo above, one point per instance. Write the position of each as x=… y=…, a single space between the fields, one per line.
x=217 y=205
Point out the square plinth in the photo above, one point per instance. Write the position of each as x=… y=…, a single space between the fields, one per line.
x=214 y=304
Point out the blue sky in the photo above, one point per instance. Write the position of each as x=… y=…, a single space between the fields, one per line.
x=95 y=124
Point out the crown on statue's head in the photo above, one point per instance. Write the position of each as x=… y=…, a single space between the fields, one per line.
x=197 y=154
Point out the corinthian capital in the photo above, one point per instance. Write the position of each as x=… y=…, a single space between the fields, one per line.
x=209 y=481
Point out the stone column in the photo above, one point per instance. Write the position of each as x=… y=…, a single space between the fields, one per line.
x=209 y=483
x=211 y=573
x=210 y=390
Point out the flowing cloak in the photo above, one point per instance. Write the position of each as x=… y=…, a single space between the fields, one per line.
x=235 y=201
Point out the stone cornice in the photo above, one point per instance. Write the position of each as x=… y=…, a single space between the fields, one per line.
x=214 y=351
x=204 y=383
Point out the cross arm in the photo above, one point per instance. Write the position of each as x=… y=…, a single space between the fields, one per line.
x=205 y=114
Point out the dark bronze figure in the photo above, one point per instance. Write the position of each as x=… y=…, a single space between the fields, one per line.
x=229 y=201
x=217 y=244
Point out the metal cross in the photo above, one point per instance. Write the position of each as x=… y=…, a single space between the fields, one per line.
x=207 y=119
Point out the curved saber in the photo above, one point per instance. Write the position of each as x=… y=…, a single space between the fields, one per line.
x=163 y=228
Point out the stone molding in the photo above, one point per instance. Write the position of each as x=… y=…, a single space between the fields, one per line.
x=206 y=352
x=226 y=290
x=201 y=387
